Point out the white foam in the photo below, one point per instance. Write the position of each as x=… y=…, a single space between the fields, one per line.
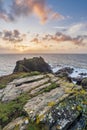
x=75 y=73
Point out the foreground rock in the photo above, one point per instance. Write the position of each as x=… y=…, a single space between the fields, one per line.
x=34 y=64
x=45 y=99
x=19 y=86
x=21 y=122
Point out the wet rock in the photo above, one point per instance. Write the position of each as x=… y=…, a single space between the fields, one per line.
x=66 y=70
x=78 y=80
x=83 y=74
x=34 y=64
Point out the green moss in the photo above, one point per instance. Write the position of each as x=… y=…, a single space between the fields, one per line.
x=52 y=103
x=52 y=86
x=2 y=86
x=12 y=109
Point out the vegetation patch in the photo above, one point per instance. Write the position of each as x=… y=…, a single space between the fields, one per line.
x=50 y=87
x=12 y=109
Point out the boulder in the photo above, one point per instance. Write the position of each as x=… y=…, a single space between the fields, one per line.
x=84 y=83
x=78 y=80
x=66 y=70
x=65 y=73
x=34 y=64
x=83 y=74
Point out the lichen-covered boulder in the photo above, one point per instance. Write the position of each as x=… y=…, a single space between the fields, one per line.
x=34 y=64
x=84 y=83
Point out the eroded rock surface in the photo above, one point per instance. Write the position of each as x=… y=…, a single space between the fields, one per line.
x=52 y=101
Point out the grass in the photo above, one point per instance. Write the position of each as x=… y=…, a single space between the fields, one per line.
x=9 y=78
x=12 y=109
x=50 y=87
x=34 y=126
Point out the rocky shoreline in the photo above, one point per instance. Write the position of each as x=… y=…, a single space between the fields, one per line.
x=41 y=100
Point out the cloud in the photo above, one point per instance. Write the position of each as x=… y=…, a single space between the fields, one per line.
x=4 y=15
x=12 y=36
x=76 y=28
x=35 y=40
x=60 y=37
x=24 y=8
x=73 y=30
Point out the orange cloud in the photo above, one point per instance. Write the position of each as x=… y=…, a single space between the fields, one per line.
x=37 y=7
x=29 y=7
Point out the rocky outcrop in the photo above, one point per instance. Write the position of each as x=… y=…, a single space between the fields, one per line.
x=34 y=64
x=51 y=101
x=19 y=86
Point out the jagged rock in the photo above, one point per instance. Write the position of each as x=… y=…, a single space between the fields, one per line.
x=18 y=86
x=84 y=83
x=38 y=89
x=31 y=84
x=66 y=71
x=42 y=103
x=34 y=64
x=83 y=74
x=78 y=80
x=60 y=118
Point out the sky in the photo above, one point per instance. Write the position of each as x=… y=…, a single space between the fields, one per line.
x=43 y=26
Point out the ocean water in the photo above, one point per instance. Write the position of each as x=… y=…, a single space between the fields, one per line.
x=57 y=61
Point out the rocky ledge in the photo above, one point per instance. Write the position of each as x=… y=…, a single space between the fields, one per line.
x=41 y=101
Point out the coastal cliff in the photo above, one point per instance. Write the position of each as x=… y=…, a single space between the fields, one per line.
x=41 y=100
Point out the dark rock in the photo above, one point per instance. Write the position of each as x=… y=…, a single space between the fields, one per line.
x=34 y=64
x=62 y=74
x=84 y=83
x=65 y=73
x=66 y=70
x=83 y=74
x=78 y=80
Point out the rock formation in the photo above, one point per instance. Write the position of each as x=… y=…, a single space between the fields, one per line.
x=34 y=64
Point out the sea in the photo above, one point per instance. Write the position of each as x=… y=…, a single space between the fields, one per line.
x=56 y=61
